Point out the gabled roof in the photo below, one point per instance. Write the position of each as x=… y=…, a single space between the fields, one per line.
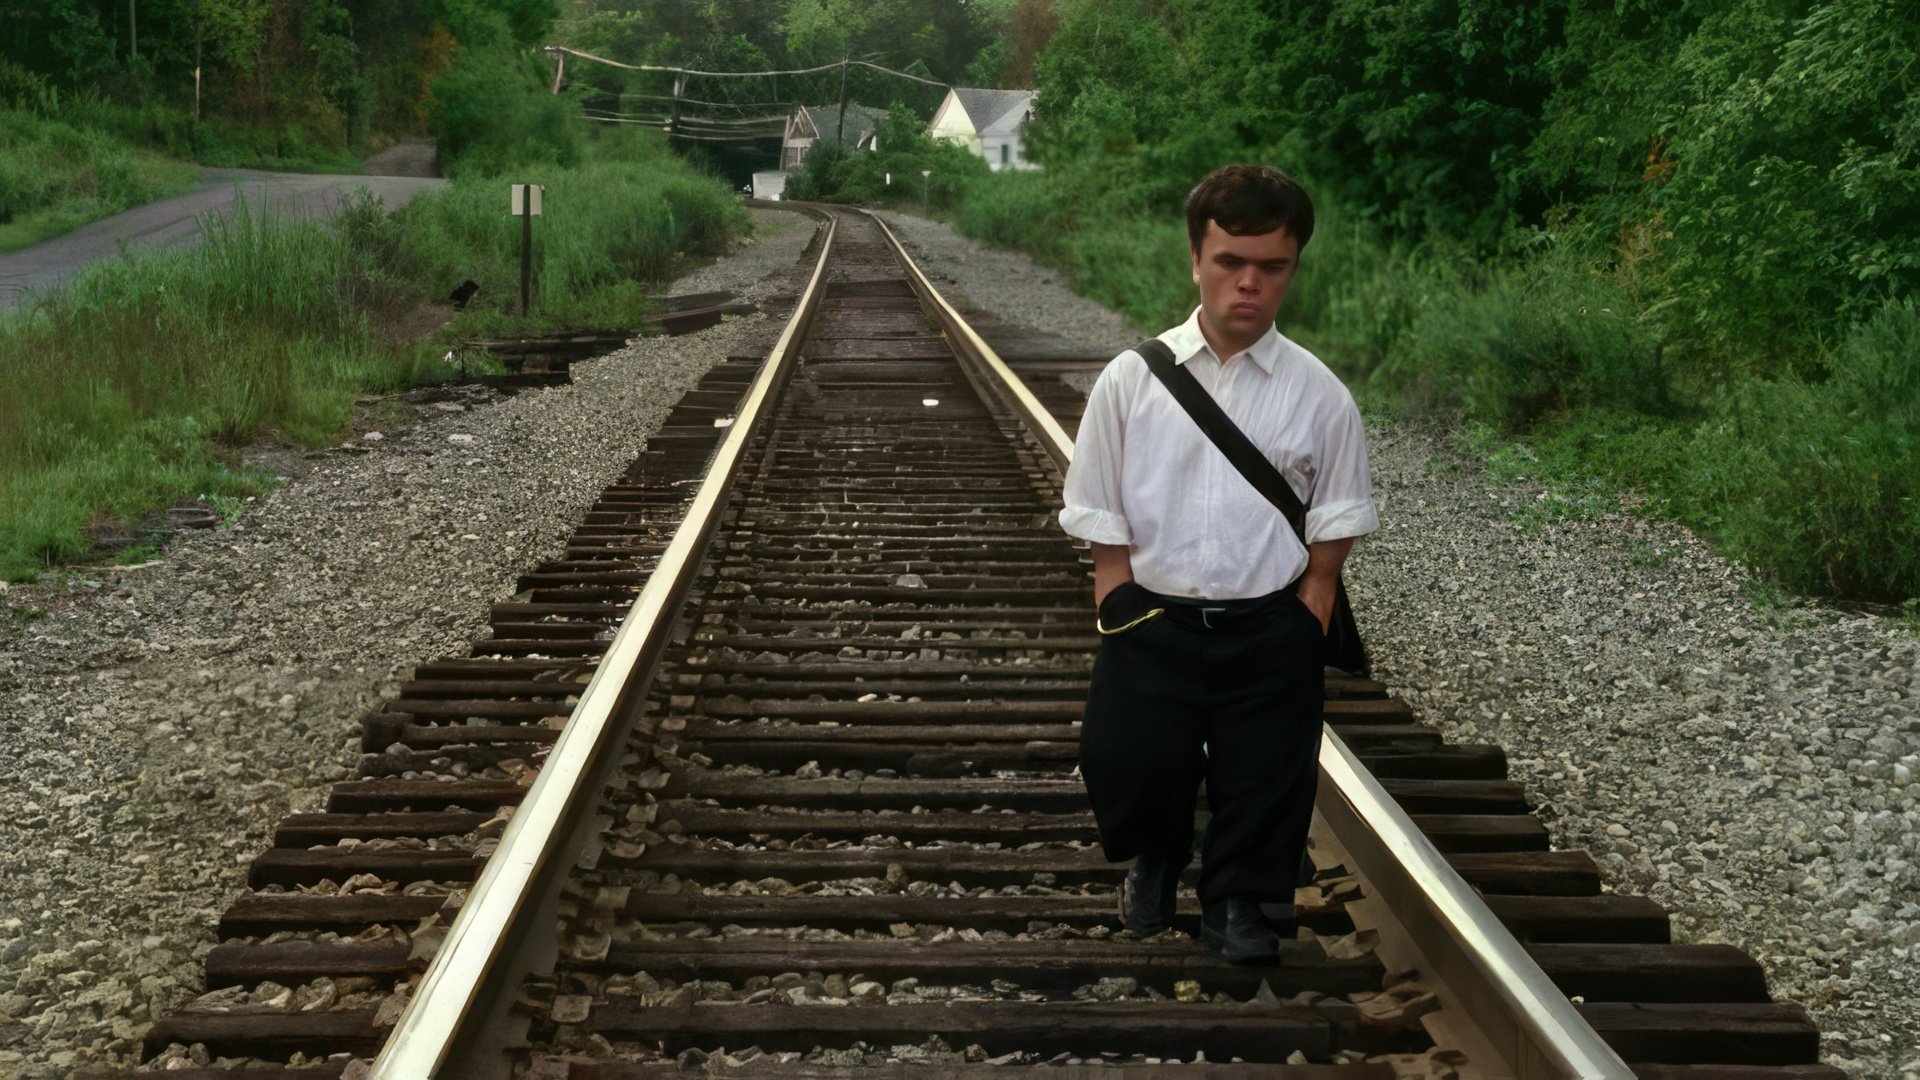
x=861 y=121
x=995 y=112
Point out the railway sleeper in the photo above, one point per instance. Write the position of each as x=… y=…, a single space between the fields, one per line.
x=1240 y=1029
x=1062 y=964
x=1109 y=1066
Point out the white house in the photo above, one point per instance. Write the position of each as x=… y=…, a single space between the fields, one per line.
x=987 y=122
x=810 y=123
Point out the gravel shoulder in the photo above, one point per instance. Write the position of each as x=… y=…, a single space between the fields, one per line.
x=1756 y=770
x=160 y=720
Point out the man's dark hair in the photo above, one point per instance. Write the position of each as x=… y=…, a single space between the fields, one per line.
x=1248 y=200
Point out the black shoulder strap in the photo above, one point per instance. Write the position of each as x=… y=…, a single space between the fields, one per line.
x=1233 y=442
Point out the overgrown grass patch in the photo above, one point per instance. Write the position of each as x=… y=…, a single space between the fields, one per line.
x=607 y=231
x=141 y=380
x=135 y=383
x=56 y=177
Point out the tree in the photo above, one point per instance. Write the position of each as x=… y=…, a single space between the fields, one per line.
x=1029 y=28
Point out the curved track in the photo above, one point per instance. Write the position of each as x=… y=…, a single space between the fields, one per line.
x=833 y=824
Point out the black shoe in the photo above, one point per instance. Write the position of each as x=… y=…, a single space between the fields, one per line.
x=1147 y=900
x=1235 y=929
x=1282 y=919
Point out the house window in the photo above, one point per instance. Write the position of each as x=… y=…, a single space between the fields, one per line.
x=1003 y=153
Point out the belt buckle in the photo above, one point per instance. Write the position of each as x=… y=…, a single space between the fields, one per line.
x=1206 y=614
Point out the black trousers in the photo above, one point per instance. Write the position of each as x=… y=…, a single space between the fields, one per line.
x=1229 y=693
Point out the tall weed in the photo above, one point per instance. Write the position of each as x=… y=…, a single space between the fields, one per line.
x=1820 y=481
x=56 y=176
x=129 y=385
x=1539 y=338
x=604 y=227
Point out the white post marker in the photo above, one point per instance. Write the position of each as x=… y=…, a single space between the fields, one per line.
x=924 y=174
x=526 y=206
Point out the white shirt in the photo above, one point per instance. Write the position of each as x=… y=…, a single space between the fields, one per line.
x=1145 y=475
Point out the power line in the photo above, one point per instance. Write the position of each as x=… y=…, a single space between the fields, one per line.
x=716 y=121
x=695 y=101
x=710 y=128
x=742 y=74
x=685 y=135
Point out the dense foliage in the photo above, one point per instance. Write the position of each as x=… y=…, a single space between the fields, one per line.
x=1670 y=243
x=56 y=176
x=1666 y=242
x=612 y=228
x=274 y=75
x=889 y=175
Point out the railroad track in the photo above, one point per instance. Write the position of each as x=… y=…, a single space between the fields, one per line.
x=784 y=747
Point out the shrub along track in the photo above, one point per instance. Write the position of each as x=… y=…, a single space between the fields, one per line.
x=842 y=829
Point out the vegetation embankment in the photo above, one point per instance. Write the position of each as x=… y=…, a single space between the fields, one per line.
x=890 y=175
x=1667 y=248
x=140 y=380
x=56 y=177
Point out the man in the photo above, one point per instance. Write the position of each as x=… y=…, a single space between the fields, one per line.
x=1212 y=613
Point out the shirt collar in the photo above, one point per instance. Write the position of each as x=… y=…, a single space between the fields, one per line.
x=1187 y=341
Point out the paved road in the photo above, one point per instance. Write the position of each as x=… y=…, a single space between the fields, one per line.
x=176 y=220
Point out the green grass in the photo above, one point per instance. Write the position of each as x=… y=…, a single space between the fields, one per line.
x=608 y=230
x=141 y=380
x=91 y=159
x=56 y=177
x=134 y=384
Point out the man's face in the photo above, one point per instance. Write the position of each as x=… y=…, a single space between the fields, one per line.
x=1243 y=279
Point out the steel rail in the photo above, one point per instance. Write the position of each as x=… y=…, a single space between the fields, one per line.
x=973 y=347
x=1485 y=969
x=466 y=983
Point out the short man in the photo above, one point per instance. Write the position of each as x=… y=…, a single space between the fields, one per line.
x=1212 y=612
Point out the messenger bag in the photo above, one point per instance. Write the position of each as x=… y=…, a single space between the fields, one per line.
x=1345 y=650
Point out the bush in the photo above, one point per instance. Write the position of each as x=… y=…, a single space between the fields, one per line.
x=1137 y=266
x=493 y=115
x=1017 y=209
x=1542 y=337
x=835 y=174
x=605 y=227
x=1817 y=481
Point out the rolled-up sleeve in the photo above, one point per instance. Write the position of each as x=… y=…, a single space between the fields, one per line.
x=1094 y=510
x=1342 y=503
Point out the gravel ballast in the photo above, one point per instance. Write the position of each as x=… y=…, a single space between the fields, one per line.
x=1756 y=769
x=159 y=720
x=1752 y=768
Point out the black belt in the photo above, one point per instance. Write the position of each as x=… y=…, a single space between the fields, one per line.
x=1226 y=615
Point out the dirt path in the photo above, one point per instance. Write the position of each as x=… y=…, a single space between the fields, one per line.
x=405 y=159
x=178 y=219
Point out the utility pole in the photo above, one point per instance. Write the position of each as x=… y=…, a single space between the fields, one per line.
x=840 y=136
x=526 y=206
x=197 y=37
